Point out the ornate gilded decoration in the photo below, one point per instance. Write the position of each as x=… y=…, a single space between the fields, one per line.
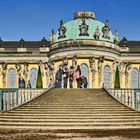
x=97 y=33
x=62 y=30
x=83 y=28
x=106 y=30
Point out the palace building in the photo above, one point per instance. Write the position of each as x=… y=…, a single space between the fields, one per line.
x=82 y=41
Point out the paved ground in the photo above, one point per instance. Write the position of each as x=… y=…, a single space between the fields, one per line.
x=58 y=135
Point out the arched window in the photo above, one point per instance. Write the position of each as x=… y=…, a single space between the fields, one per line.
x=12 y=78
x=33 y=77
x=107 y=76
x=134 y=78
x=84 y=71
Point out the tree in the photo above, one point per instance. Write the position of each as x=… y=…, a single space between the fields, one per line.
x=117 y=79
x=39 y=79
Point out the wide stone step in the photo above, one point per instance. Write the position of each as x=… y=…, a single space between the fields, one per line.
x=70 y=117
x=72 y=109
x=70 y=124
x=72 y=105
x=70 y=128
x=71 y=114
x=70 y=120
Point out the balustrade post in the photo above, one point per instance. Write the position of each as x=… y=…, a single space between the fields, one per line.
x=135 y=100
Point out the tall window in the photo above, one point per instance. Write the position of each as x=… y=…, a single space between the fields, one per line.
x=12 y=78
x=84 y=70
x=33 y=77
x=107 y=76
x=134 y=78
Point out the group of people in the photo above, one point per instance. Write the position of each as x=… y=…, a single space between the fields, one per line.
x=64 y=74
x=22 y=83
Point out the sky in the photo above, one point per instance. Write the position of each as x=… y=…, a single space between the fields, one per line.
x=34 y=19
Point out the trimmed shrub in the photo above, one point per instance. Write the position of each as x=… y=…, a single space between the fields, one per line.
x=39 y=79
x=117 y=79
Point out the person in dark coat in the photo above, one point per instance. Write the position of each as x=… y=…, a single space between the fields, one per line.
x=19 y=83
x=59 y=75
x=22 y=83
x=65 y=76
x=29 y=84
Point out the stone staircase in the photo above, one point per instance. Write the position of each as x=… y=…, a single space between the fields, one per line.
x=68 y=113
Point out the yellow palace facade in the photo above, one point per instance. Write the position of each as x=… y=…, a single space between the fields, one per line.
x=82 y=41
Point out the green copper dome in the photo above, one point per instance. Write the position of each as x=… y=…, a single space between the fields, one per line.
x=72 y=29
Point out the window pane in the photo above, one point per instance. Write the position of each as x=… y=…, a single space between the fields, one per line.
x=33 y=77
x=107 y=76
x=134 y=78
x=12 y=78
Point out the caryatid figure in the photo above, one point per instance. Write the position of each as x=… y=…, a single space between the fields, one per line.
x=93 y=69
x=74 y=61
x=127 y=69
x=18 y=68
x=52 y=72
x=100 y=63
x=65 y=61
x=4 y=69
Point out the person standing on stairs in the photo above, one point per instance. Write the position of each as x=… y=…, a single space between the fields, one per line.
x=65 y=76
x=71 y=77
x=59 y=75
x=78 y=76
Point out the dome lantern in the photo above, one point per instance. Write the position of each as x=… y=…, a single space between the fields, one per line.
x=84 y=15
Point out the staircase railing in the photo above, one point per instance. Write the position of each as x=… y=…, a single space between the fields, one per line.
x=128 y=97
x=11 y=98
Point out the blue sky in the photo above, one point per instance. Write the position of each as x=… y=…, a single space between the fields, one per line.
x=34 y=19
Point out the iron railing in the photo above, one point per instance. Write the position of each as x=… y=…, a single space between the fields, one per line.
x=128 y=97
x=11 y=98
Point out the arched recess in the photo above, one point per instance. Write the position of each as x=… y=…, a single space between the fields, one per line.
x=134 y=78
x=33 y=77
x=84 y=71
x=107 y=76
x=12 y=81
